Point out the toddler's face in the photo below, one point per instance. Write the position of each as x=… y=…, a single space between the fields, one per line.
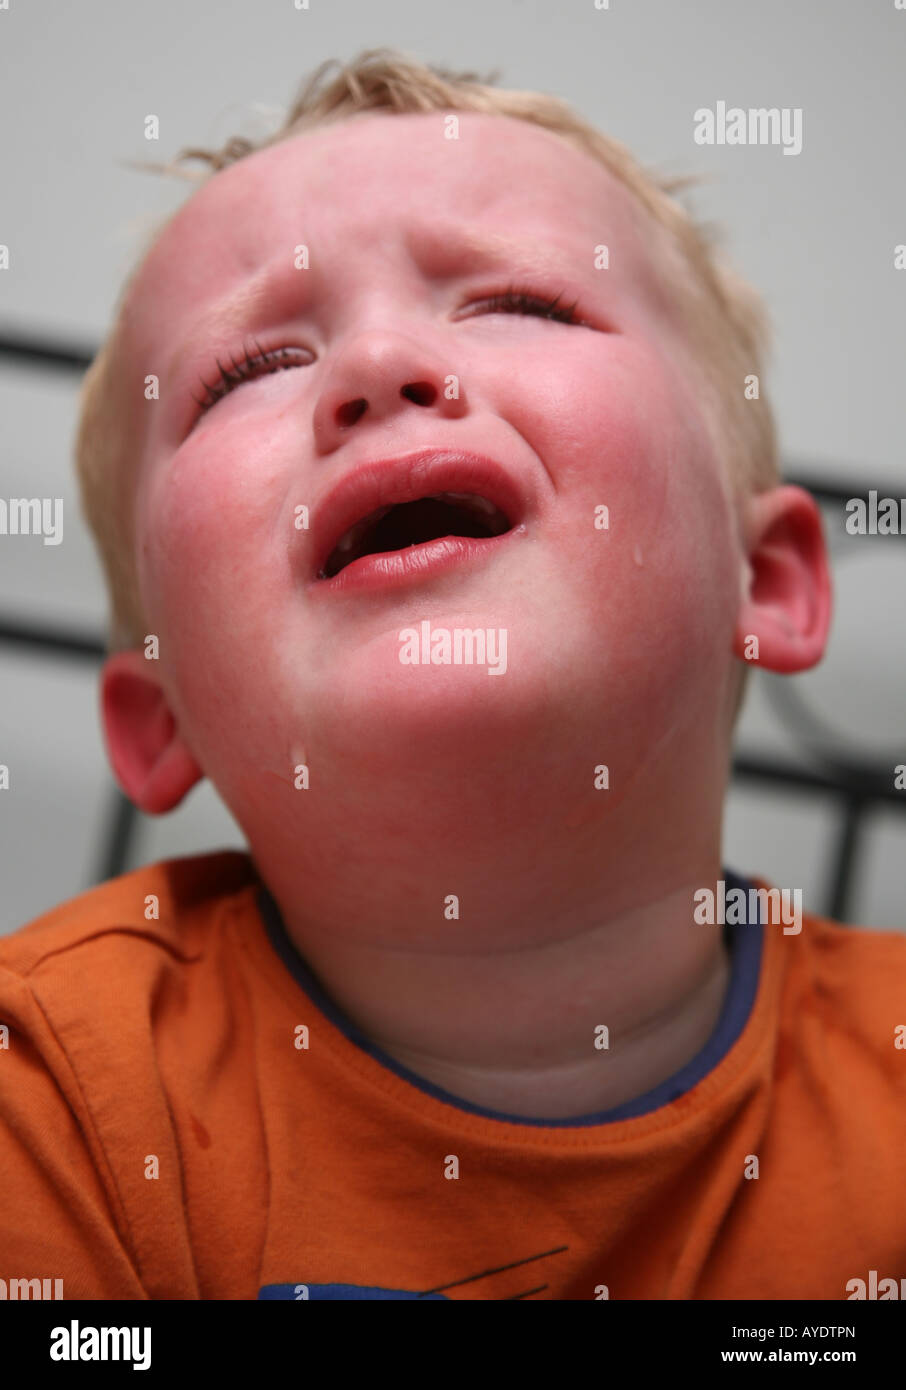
x=392 y=344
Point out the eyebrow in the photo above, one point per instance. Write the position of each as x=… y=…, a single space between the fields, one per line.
x=442 y=248
x=438 y=250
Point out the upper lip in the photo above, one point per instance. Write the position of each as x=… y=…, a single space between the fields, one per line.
x=406 y=478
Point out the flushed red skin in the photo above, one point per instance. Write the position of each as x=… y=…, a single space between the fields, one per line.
x=623 y=643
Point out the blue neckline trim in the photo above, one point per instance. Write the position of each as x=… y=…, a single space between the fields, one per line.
x=744 y=942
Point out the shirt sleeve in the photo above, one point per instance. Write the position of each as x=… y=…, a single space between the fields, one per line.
x=60 y=1216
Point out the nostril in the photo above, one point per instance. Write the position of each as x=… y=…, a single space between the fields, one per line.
x=350 y=412
x=421 y=392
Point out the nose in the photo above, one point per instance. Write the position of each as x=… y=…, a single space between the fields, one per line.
x=381 y=375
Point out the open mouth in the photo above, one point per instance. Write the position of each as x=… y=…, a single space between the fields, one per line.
x=413 y=523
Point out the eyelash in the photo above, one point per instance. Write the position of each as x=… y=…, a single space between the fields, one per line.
x=523 y=301
x=243 y=370
x=512 y=300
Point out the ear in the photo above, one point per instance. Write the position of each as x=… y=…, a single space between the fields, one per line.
x=150 y=761
x=786 y=601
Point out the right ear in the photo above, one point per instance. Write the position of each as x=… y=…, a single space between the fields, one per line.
x=150 y=761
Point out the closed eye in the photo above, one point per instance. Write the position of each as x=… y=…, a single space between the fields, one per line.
x=523 y=301
x=249 y=366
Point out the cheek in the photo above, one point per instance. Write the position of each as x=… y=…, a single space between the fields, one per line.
x=211 y=567
x=654 y=577
x=605 y=420
x=217 y=585
x=207 y=527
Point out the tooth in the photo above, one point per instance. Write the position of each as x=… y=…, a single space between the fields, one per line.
x=485 y=505
x=470 y=499
x=357 y=531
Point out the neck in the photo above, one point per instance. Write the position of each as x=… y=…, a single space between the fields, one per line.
x=502 y=1006
x=546 y=1055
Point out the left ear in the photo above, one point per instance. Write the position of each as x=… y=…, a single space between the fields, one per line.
x=787 y=600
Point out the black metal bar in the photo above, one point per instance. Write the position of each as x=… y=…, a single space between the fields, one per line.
x=51 y=641
x=835 y=492
x=116 y=842
x=849 y=851
x=38 y=352
x=847 y=782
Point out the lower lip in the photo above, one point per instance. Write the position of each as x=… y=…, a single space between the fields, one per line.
x=396 y=568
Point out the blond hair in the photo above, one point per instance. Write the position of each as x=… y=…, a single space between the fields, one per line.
x=724 y=319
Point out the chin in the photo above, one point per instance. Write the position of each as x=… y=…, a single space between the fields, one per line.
x=436 y=712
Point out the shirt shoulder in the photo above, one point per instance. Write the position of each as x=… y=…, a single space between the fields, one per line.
x=111 y=1007
x=846 y=985
x=867 y=963
x=168 y=903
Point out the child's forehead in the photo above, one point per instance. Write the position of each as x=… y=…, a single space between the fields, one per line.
x=397 y=162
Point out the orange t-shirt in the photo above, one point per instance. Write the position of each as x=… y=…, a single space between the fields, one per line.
x=165 y=1135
